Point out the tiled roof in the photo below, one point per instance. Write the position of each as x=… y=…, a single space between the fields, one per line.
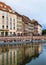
x=18 y=14
x=26 y=19
x=35 y=22
x=5 y=7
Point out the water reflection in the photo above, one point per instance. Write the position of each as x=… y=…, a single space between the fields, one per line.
x=19 y=56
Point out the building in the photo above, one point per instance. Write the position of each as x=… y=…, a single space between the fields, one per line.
x=28 y=26
x=14 y=24
x=8 y=20
x=37 y=28
x=19 y=25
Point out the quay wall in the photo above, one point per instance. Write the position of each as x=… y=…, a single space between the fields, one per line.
x=22 y=38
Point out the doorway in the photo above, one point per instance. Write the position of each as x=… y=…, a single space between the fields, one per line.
x=6 y=33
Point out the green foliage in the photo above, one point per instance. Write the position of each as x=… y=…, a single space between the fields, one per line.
x=44 y=32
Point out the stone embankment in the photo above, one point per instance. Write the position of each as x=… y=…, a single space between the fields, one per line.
x=22 y=38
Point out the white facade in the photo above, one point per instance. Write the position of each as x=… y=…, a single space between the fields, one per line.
x=39 y=30
x=7 y=23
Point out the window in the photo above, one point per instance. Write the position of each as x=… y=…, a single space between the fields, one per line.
x=14 y=28
x=13 y=20
x=2 y=16
x=1 y=5
x=2 y=26
x=10 y=19
x=10 y=28
x=19 y=18
x=14 y=34
x=14 y=24
x=6 y=27
x=7 y=21
x=3 y=21
x=6 y=14
x=10 y=33
x=11 y=25
x=5 y=6
x=6 y=18
x=26 y=23
x=2 y=13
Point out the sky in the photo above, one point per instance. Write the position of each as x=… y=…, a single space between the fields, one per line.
x=34 y=9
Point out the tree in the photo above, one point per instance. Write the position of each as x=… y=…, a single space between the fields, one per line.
x=44 y=32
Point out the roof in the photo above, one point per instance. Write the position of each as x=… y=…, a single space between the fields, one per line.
x=40 y=25
x=7 y=8
x=26 y=19
x=3 y=6
x=35 y=22
x=18 y=14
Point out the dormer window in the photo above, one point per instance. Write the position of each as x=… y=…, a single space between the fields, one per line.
x=5 y=6
x=10 y=10
x=13 y=11
x=4 y=9
x=1 y=5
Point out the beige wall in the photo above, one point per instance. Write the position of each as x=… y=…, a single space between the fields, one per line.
x=20 y=25
x=39 y=30
x=29 y=28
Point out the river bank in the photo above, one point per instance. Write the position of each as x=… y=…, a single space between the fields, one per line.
x=23 y=39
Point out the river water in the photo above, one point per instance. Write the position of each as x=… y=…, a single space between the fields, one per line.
x=41 y=59
x=33 y=55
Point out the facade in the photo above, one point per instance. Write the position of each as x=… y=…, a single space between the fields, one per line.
x=10 y=21
x=37 y=28
x=19 y=25
x=7 y=20
x=14 y=24
x=28 y=26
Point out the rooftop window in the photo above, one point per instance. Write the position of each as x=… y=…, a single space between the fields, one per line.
x=1 y=5
x=5 y=6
